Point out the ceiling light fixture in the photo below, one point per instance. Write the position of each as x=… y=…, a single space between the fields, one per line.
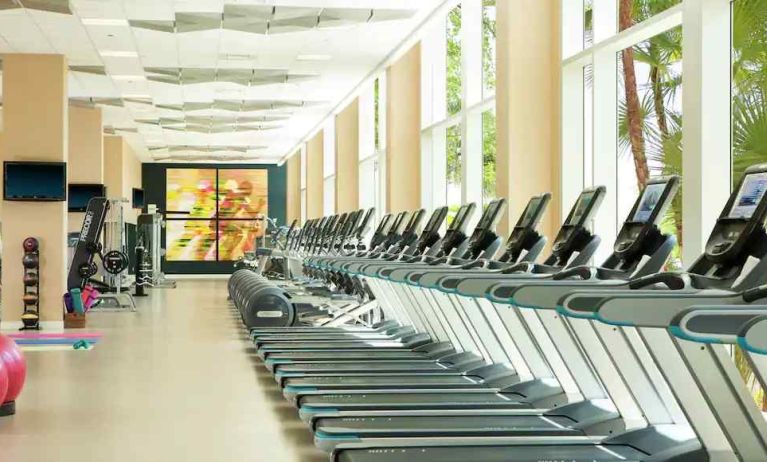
x=118 y=54
x=310 y=57
x=104 y=22
x=129 y=77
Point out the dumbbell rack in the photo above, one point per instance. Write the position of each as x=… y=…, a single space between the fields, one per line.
x=29 y=323
x=115 y=241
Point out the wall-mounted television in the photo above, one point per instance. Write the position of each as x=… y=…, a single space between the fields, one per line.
x=80 y=194
x=35 y=181
x=138 y=198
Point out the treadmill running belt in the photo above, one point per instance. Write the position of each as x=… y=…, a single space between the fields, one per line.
x=352 y=382
x=510 y=453
x=373 y=367
x=448 y=426
x=428 y=400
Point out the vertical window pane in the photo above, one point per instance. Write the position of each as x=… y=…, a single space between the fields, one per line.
x=376 y=112
x=749 y=119
x=488 y=156
x=454 y=173
x=650 y=123
x=303 y=206
x=588 y=125
x=329 y=199
x=488 y=46
x=588 y=23
x=454 y=60
x=367 y=181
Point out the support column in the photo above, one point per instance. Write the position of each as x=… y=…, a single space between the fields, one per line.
x=86 y=148
x=403 y=132
x=528 y=107
x=294 y=188
x=122 y=173
x=347 y=158
x=314 y=179
x=35 y=129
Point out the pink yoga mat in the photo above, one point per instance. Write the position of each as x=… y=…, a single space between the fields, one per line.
x=74 y=335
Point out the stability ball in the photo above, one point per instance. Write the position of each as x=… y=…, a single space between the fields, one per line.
x=16 y=371
x=3 y=382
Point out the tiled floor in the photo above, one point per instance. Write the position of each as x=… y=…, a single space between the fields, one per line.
x=176 y=381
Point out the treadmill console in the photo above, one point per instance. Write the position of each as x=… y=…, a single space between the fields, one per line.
x=524 y=233
x=484 y=233
x=645 y=216
x=430 y=233
x=742 y=218
x=456 y=231
x=410 y=234
x=395 y=231
x=574 y=230
x=379 y=235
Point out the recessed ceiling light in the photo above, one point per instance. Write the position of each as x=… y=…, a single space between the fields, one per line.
x=309 y=57
x=118 y=54
x=129 y=77
x=104 y=22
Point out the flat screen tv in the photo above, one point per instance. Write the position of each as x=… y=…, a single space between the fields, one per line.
x=80 y=194
x=138 y=198
x=35 y=181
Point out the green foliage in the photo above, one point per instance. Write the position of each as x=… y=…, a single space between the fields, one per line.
x=488 y=44
x=454 y=60
x=489 y=148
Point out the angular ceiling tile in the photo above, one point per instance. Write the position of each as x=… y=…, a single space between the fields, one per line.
x=193 y=22
x=160 y=26
x=52 y=6
x=247 y=18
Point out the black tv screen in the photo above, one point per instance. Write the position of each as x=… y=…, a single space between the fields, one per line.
x=138 y=198
x=35 y=181
x=80 y=194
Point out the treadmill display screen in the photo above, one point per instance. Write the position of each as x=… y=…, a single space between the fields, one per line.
x=749 y=196
x=434 y=221
x=460 y=217
x=487 y=218
x=530 y=212
x=650 y=199
x=581 y=207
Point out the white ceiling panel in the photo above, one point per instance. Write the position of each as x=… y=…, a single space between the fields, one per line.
x=209 y=79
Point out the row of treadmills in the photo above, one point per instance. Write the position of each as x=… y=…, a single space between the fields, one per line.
x=484 y=354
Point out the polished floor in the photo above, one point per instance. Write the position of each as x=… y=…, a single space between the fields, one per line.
x=176 y=381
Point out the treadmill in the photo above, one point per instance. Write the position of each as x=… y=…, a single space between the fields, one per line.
x=734 y=262
x=573 y=242
x=483 y=238
x=577 y=419
x=524 y=243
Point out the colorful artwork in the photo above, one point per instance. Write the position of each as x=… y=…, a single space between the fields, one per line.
x=190 y=240
x=191 y=193
x=235 y=237
x=214 y=214
x=242 y=193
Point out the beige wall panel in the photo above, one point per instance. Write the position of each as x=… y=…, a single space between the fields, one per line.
x=86 y=152
x=528 y=106
x=122 y=173
x=131 y=172
x=35 y=129
x=294 y=188
x=403 y=132
x=314 y=178
x=347 y=158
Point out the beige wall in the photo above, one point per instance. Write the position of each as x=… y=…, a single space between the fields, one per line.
x=122 y=173
x=528 y=106
x=314 y=179
x=294 y=188
x=35 y=129
x=347 y=158
x=86 y=152
x=403 y=132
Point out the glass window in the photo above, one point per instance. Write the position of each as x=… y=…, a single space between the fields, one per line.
x=329 y=196
x=488 y=156
x=588 y=125
x=749 y=119
x=588 y=23
x=454 y=77
x=488 y=46
x=454 y=170
x=650 y=123
x=377 y=112
x=632 y=12
x=749 y=85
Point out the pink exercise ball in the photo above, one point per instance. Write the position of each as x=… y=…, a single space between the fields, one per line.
x=3 y=382
x=15 y=367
